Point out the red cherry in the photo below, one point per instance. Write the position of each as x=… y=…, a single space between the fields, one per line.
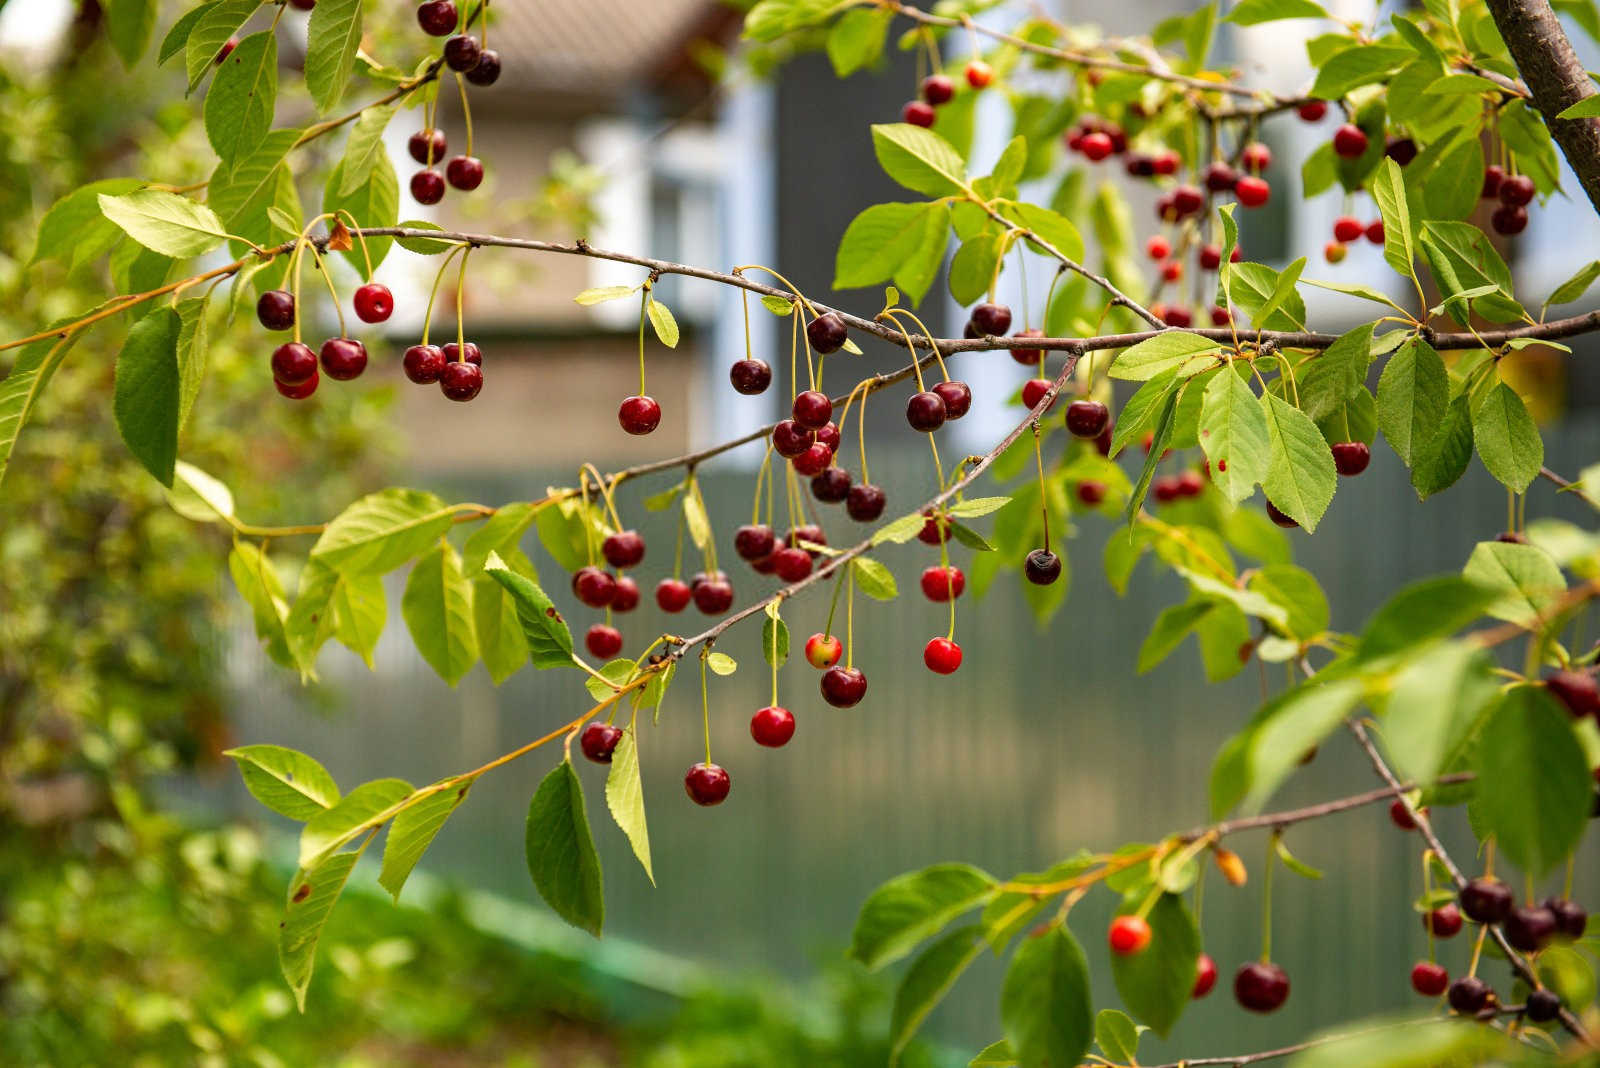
x=1205 y=976
x=750 y=377
x=1493 y=175
x=942 y=656
x=1350 y=458
x=1347 y=229
x=462 y=52
x=1429 y=979
x=827 y=332
x=1158 y=248
x=813 y=461
x=714 y=596
x=598 y=741
x=865 y=502
x=823 y=651
x=979 y=74
x=1517 y=190
x=1097 y=146
x=275 y=309
x=672 y=595
x=934 y=531
x=1509 y=219
x=843 y=687
x=300 y=392
x=427 y=147
x=437 y=18
x=812 y=410
x=1444 y=921
x=593 y=586
x=626 y=599
x=1166 y=163
x=754 y=541
x=461 y=381
x=487 y=72
x=1210 y=257
x=427 y=187
x=831 y=486
x=937 y=89
x=790 y=439
x=374 y=303
x=917 y=113
x=1220 y=316
x=1177 y=317
x=792 y=565
x=925 y=412
x=1219 y=177
x=1261 y=987
x=772 y=726
x=1349 y=141
x=623 y=549
x=464 y=353
x=1187 y=200
x=1313 y=110
x=1401 y=816
x=1033 y=392
x=343 y=358
x=1028 y=356
x=1280 y=517
x=1256 y=157
x=424 y=363
x=941 y=584
x=1252 y=191
x=293 y=364
x=1128 y=935
x=1091 y=492
x=706 y=784
x=639 y=415
x=603 y=642
x=465 y=172
x=1086 y=418
x=1374 y=231
x=957 y=397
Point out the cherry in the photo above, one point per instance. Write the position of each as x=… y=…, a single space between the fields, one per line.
x=714 y=595
x=957 y=397
x=1256 y=157
x=750 y=377
x=1220 y=316
x=639 y=415
x=1129 y=935
x=1166 y=207
x=790 y=439
x=937 y=89
x=1205 y=976
x=1139 y=165
x=593 y=586
x=1261 y=986
x=423 y=363
x=1177 y=317
x=843 y=687
x=1530 y=928
x=1086 y=418
x=463 y=353
x=343 y=358
x=812 y=410
x=1166 y=489
x=1349 y=141
x=1347 y=228
x=1210 y=257
x=925 y=412
x=1187 y=200
x=1190 y=484
x=303 y=5
x=992 y=319
x=1334 y=252
x=623 y=549
x=1486 y=900
x=461 y=381
x=1158 y=247
x=942 y=656
x=1091 y=492
x=437 y=18
x=828 y=434
x=810 y=532
x=941 y=584
x=1400 y=816
x=1516 y=190
x=772 y=726
x=465 y=172
x=300 y=392
x=1374 y=231
x=827 y=333
x=598 y=741
x=979 y=74
x=1027 y=356
x=1576 y=690
x=672 y=595
x=275 y=309
x=427 y=187
x=1042 y=567
x=934 y=530
x=831 y=486
x=792 y=565
x=814 y=460
x=917 y=113
x=1543 y=1005
x=1312 y=110
x=227 y=49
x=374 y=303
x=753 y=541
x=706 y=784
x=1219 y=177
x=1571 y=918
x=823 y=651
x=293 y=364
x=603 y=642
x=1493 y=175
x=1252 y=191
x=487 y=71
x=1096 y=146
x=1400 y=149
x=1171 y=271
x=626 y=599
x=1033 y=391
x=1469 y=994
x=427 y=147
x=462 y=52
x=1283 y=519
x=1509 y=220
x=1429 y=979
x=865 y=502
x=1444 y=921
x=1166 y=163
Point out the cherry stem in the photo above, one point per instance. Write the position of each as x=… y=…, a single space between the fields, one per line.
x=850 y=616
x=705 y=700
x=762 y=474
x=801 y=297
x=466 y=110
x=355 y=228
x=1266 y=897
x=322 y=269
x=644 y=308
x=772 y=653
x=433 y=294
x=833 y=602
x=1044 y=505
x=461 y=319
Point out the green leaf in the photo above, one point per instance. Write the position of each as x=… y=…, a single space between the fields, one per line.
x=1254 y=288
x=625 y=798
x=973 y=507
x=910 y=908
x=662 y=322
x=1587 y=108
x=1357 y=66
x=286 y=781
x=1507 y=438
x=1389 y=193
x=561 y=855
x=196 y=495
x=258 y=583
x=1286 y=729
x=721 y=664
x=165 y=222
x=901 y=530
x=1327 y=380
x=779 y=306
x=331 y=43
x=311 y=620
x=1565 y=293
x=919 y=159
x=360 y=611
x=549 y=640
x=1230 y=241
x=312 y=895
x=1534 y=787
x=1421 y=613
x=1045 y=1002
x=178 y=35
x=239 y=104
x=771 y=19
x=1255 y=12
x=994 y=1055
x=1300 y=473
x=364 y=148
x=856 y=40
x=603 y=294
x=437 y=608
x=414 y=829
x=74 y=230
x=1158 y=445
x=1527 y=578
x=874 y=579
x=973 y=266
x=774 y=638
x=928 y=980
x=1233 y=434
x=1298 y=593
x=1048 y=226
x=382 y=530
x=695 y=517
x=1413 y=395
x=1156 y=984
x=192 y=351
x=338 y=824
x=1444 y=458
x=1435 y=707
x=146 y=399
x=375 y=202
x=210 y=32
x=1461 y=258
x=1142 y=411
x=497 y=629
x=425 y=246
x=1451 y=189
x=501 y=532
x=1167 y=351
x=1170 y=628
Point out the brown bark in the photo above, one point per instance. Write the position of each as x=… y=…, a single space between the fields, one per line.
x=1556 y=79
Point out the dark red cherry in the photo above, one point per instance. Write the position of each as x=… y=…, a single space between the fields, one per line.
x=925 y=412
x=828 y=434
x=463 y=353
x=1486 y=900
x=750 y=377
x=461 y=381
x=1042 y=567
x=827 y=333
x=843 y=687
x=1493 y=175
x=1283 y=519
x=1577 y=691
x=427 y=187
x=706 y=784
x=487 y=72
x=626 y=599
x=1429 y=979
x=1444 y=921
x=427 y=147
x=1530 y=928
x=603 y=642
x=813 y=461
x=1205 y=976
x=598 y=741
x=1543 y=1005
x=934 y=530
x=275 y=309
x=754 y=541
x=790 y=439
x=772 y=726
x=1261 y=986
x=465 y=172
x=462 y=52
x=1517 y=190
x=374 y=303
x=423 y=363
x=1187 y=200
x=937 y=89
x=1091 y=492
x=293 y=364
x=300 y=392
x=812 y=410
x=623 y=549
x=957 y=397
x=791 y=565
x=831 y=486
x=1350 y=458
x=593 y=586
x=343 y=358
x=639 y=415
x=1571 y=918
x=1219 y=177
x=1509 y=220
x=1028 y=356
x=1349 y=141
x=942 y=656
x=810 y=532
x=437 y=18
x=865 y=502
x=1312 y=110
x=714 y=596
x=1086 y=418
x=918 y=113
x=672 y=595
x=992 y=319
x=1469 y=994
x=1401 y=149
x=1033 y=391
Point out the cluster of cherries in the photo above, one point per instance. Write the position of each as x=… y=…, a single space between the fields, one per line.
x=1348 y=228
x=939 y=89
x=1514 y=192
x=295 y=366
x=464 y=54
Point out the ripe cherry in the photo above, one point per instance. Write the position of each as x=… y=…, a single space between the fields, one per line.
x=934 y=530
x=1166 y=163
x=810 y=532
x=1469 y=994
x=790 y=439
x=639 y=415
x=1486 y=900
x=713 y=596
x=275 y=309
x=814 y=460
x=791 y=565
x=1042 y=567
x=427 y=187
x=925 y=412
x=1191 y=484
x=1283 y=519
x=754 y=540
x=1400 y=816
x=1027 y=356
x=1187 y=200
x=672 y=595
x=1349 y=141
x=487 y=71
x=427 y=147
x=1509 y=220
x=626 y=599
x=1176 y=317
x=598 y=741
x=374 y=303
x=1220 y=316
x=1166 y=488
x=1171 y=271
x=1429 y=979
x=463 y=353
x=343 y=358
x=1139 y=165
x=918 y=113
x=423 y=363
x=1086 y=418
x=1543 y=1005
x=1158 y=248
x=1096 y=146
x=461 y=381
x=823 y=651
x=462 y=52
x=1128 y=935
x=750 y=377
x=603 y=642
x=1033 y=391
x=1312 y=110
x=1577 y=691
x=465 y=172
x=706 y=784
x=828 y=434
x=1493 y=175
x=942 y=656
x=831 y=485
x=772 y=726
x=593 y=586
x=1261 y=986
x=1252 y=191
x=1091 y=492
x=827 y=332
x=623 y=549
x=300 y=392
x=1350 y=458
x=1374 y=231
x=1219 y=177
x=1209 y=257
x=1530 y=928
x=1571 y=918
x=979 y=74
x=437 y=18
x=941 y=584
x=1401 y=149
x=865 y=502
x=992 y=319
x=937 y=89
x=1205 y=976
x=1517 y=190
x=1346 y=229
x=1444 y=921
x=293 y=364
x=1334 y=252
x=1256 y=157
x=812 y=410
x=843 y=687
